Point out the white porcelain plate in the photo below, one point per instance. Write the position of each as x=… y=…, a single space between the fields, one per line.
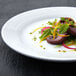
x=15 y=33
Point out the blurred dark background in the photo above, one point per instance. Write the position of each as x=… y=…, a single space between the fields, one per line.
x=15 y=64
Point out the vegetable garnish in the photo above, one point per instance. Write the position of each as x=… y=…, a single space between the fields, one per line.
x=44 y=29
x=67 y=46
x=34 y=38
x=44 y=38
x=42 y=47
x=37 y=29
x=52 y=23
x=63 y=28
x=62 y=51
x=61 y=33
x=30 y=33
x=54 y=33
x=45 y=34
x=70 y=44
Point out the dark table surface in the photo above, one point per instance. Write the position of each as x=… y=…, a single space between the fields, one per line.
x=15 y=64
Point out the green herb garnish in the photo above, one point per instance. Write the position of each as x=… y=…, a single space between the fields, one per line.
x=44 y=48
x=41 y=46
x=30 y=33
x=70 y=40
x=62 y=18
x=45 y=33
x=71 y=23
x=64 y=51
x=63 y=28
x=66 y=20
x=34 y=38
x=52 y=23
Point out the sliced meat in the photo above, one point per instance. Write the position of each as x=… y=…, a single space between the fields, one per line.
x=57 y=40
x=72 y=31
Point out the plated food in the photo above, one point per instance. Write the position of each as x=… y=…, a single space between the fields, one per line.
x=62 y=32
x=48 y=41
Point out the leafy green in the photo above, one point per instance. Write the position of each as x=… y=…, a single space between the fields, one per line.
x=55 y=21
x=63 y=28
x=67 y=20
x=71 y=23
x=70 y=39
x=52 y=23
x=62 y=18
x=52 y=30
x=67 y=42
x=45 y=33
